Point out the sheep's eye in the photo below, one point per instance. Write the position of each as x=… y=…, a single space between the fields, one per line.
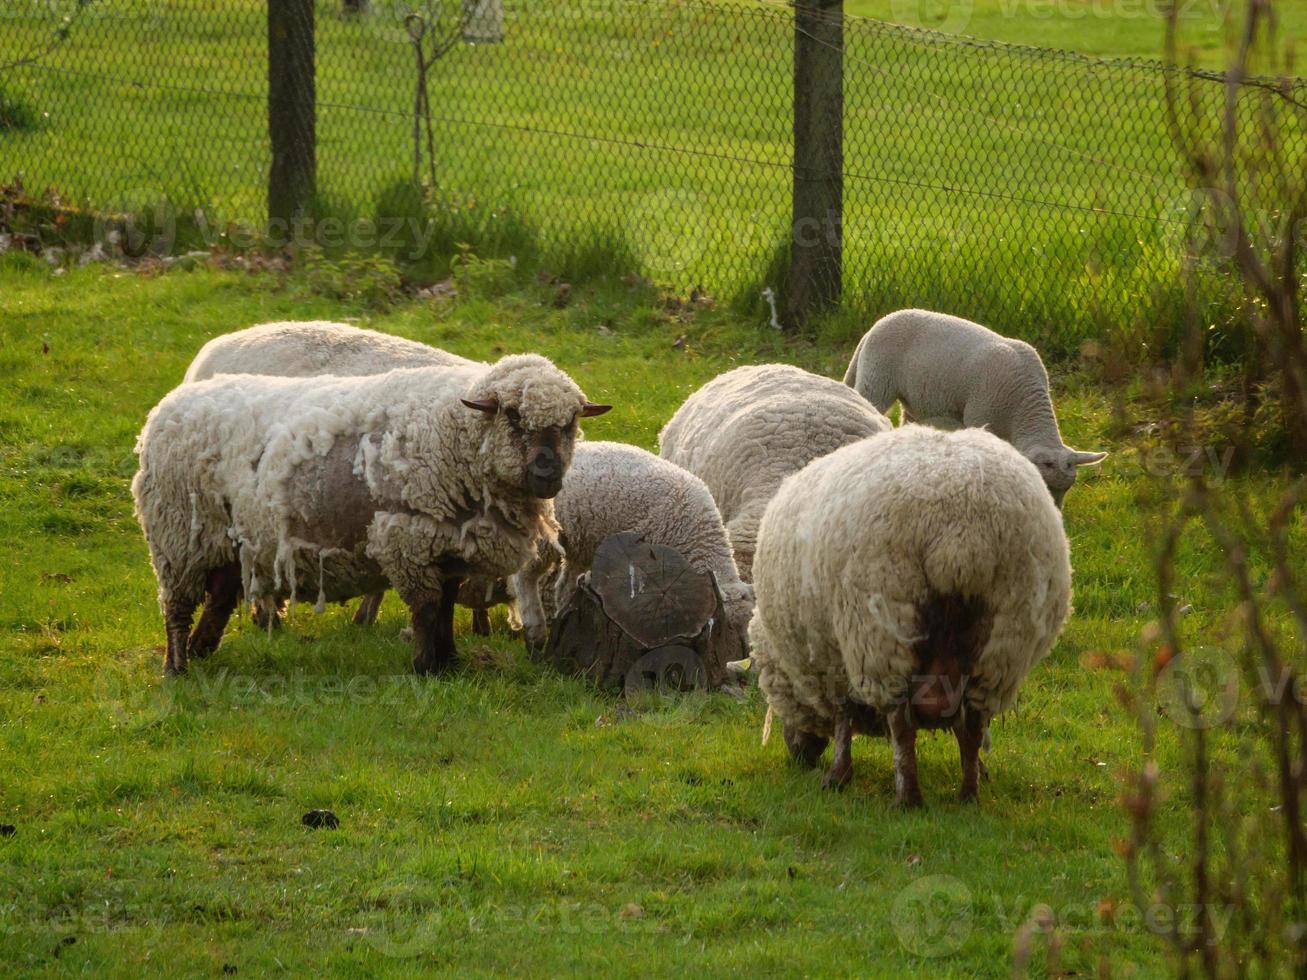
x=513 y=415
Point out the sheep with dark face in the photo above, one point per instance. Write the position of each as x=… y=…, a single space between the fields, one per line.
x=417 y=478
x=312 y=348
x=903 y=582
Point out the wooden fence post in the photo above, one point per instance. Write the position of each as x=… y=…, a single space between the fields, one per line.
x=292 y=110
x=816 y=231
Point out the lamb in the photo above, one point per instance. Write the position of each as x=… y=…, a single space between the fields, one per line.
x=947 y=371
x=303 y=349
x=904 y=582
x=748 y=429
x=417 y=478
x=611 y=487
x=311 y=348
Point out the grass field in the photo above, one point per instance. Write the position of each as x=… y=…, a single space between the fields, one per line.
x=1029 y=190
x=502 y=819
x=1104 y=28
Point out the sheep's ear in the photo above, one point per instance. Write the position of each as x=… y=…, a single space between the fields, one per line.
x=1086 y=459
x=590 y=409
x=487 y=405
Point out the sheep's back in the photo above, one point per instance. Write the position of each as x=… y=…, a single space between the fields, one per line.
x=853 y=547
x=746 y=430
x=313 y=348
x=612 y=487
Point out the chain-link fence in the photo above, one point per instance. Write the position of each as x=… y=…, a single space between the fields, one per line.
x=1037 y=191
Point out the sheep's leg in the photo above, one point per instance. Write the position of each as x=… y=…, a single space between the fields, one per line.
x=177 y=616
x=805 y=747
x=369 y=607
x=481 y=622
x=841 y=765
x=222 y=593
x=969 y=729
x=903 y=734
x=433 y=631
x=530 y=609
x=267 y=614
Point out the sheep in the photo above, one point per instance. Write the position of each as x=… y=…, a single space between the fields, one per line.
x=907 y=581
x=746 y=430
x=950 y=372
x=611 y=487
x=302 y=349
x=416 y=478
x=310 y=348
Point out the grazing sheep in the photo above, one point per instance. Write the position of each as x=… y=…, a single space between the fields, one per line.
x=908 y=581
x=416 y=478
x=748 y=429
x=947 y=371
x=311 y=348
x=303 y=349
x=610 y=488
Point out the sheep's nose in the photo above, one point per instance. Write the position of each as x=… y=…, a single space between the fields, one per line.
x=544 y=472
x=543 y=462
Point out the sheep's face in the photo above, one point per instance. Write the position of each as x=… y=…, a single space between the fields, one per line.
x=738 y=602
x=530 y=412
x=531 y=450
x=1058 y=467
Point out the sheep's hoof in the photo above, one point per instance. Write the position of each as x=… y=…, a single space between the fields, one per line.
x=805 y=748
x=910 y=801
x=837 y=779
x=432 y=666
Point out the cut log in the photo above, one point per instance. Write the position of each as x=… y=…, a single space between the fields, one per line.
x=651 y=591
x=643 y=620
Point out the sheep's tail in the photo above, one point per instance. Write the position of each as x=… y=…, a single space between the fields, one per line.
x=851 y=374
x=954 y=630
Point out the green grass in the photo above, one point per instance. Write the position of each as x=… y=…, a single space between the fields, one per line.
x=1104 y=28
x=1034 y=192
x=503 y=819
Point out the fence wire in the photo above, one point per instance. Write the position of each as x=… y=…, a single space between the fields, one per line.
x=1037 y=191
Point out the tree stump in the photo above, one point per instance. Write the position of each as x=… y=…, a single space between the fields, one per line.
x=642 y=619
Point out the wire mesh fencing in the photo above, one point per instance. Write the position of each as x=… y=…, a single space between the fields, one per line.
x=1036 y=191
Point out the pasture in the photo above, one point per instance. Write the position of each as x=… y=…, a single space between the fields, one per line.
x=666 y=131
x=502 y=819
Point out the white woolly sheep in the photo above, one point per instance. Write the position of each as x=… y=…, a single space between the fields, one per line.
x=748 y=429
x=312 y=348
x=950 y=372
x=415 y=478
x=307 y=348
x=611 y=487
x=908 y=581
